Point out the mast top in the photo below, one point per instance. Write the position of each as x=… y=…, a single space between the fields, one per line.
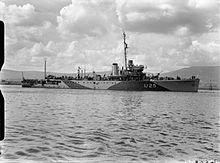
x=126 y=45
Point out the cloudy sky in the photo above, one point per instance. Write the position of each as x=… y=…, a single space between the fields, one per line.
x=164 y=34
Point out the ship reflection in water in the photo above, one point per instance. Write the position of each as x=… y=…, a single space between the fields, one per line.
x=57 y=125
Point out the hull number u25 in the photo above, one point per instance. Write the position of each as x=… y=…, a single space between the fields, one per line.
x=150 y=85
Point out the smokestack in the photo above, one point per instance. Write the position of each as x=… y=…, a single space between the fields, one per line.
x=78 y=75
x=82 y=74
x=114 y=69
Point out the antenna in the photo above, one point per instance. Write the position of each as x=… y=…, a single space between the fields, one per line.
x=125 y=49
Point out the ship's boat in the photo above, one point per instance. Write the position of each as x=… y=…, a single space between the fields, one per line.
x=28 y=82
x=129 y=78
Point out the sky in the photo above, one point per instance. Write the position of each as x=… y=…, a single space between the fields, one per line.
x=163 y=35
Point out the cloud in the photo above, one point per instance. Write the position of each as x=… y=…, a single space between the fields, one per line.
x=86 y=18
x=164 y=34
x=170 y=52
x=25 y=27
x=20 y=15
x=167 y=16
x=23 y=22
x=46 y=10
x=89 y=55
x=203 y=54
x=18 y=37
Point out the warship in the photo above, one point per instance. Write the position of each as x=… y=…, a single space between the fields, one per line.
x=129 y=78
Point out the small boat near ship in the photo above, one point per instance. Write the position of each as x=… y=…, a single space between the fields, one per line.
x=129 y=78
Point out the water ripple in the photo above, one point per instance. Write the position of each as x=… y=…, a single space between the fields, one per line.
x=110 y=126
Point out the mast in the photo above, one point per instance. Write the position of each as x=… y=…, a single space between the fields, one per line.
x=210 y=86
x=45 y=70
x=125 y=50
x=22 y=75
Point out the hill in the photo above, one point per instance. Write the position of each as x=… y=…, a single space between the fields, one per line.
x=208 y=75
x=13 y=75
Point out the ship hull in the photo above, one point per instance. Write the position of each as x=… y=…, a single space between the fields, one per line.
x=188 y=85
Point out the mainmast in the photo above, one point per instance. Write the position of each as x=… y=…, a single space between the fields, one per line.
x=22 y=75
x=125 y=50
x=45 y=70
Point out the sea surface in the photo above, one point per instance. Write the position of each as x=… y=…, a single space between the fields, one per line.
x=67 y=125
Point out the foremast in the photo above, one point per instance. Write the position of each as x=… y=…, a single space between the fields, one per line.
x=125 y=50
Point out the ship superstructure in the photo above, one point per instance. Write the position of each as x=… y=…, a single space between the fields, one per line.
x=130 y=78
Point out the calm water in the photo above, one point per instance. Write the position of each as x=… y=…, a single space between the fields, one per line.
x=52 y=125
